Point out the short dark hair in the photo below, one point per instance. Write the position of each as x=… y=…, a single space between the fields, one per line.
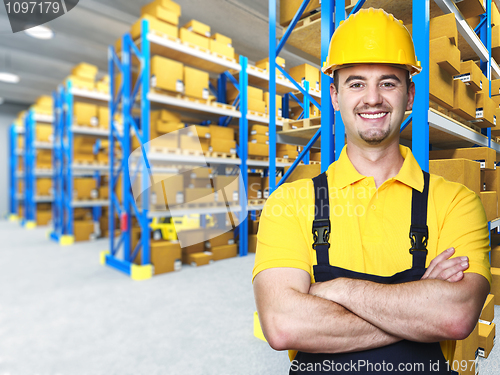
x=336 y=81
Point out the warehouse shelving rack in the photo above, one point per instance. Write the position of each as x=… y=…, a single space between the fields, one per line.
x=30 y=172
x=124 y=102
x=15 y=197
x=427 y=124
x=65 y=169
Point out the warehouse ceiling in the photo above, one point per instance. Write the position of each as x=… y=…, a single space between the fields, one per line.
x=84 y=34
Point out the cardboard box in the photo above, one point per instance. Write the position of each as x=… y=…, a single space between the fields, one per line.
x=495 y=15
x=104 y=192
x=445 y=54
x=81 y=83
x=199 y=183
x=43 y=158
x=223 y=145
x=440 y=85
x=252 y=243
x=167 y=190
x=466 y=350
x=485 y=111
x=194 y=39
x=483 y=154
x=471 y=75
x=43 y=217
x=463 y=171
x=490 y=180
x=223 y=239
x=200 y=131
x=200 y=173
x=304 y=171
x=279 y=104
x=169 y=5
x=156 y=26
x=495 y=283
x=196 y=83
x=221 y=132
x=254 y=188
x=490 y=203
x=199 y=195
x=85 y=188
x=471 y=8
x=495 y=87
x=486 y=339
x=85 y=114
x=488 y=312
x=167 y=74
x=187 y=142
x=264 y=64
x=163 y=127
x=444 y=26
x=259 y=138
x=222 y=39
x=306 y=72
x=44 y=186
x=464 y=100
x=161 y=13
x=258 y=149
x=224 y=252
x=85 y=71
x=221 y=48
x=495 y=42
x=166 y=256
x=289 y=8
x=495 y=254
x=226 y=189
x=83 y=230
x=44 y=133
x=198 y=259
x=256 y=105
x=198 y=28
x=259 y=129
x=103 y=117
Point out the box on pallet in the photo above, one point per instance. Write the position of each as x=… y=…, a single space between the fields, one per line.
x=221 y=48
x=155 y=25
x=444 y=26
x=167 y=74
x=252 y=243
x=259 y=138
x=256 y=105
x=43 y=158
x=198 y=259
x=440 y=85
x=485 y=155
x=289 y=8
x=471 y=75
x=187 y=142
x=306 y=72
x=44 y=186
x=264 y=64
x=258 y=149
x=495 y=280
x=222 y=145
x=491 y=180
x=488 y=312
x=43 y=217
x=223 y=239
x=167 y=190
x=85 y=114
x=194 y=39
x=224 y=251
x=44 y=133
x=161 y=13
x=254 y=188
x=196 y=83
x=85 y=188
x=166 y=256
x=221 y=132
x=445 y=54
x=81 y=83
x=259 y=129
x=198 y=28
x=279 y=104
x=226 y=189
x=83 y=230
x=103 y=117
x=466 y=350
x=486 y=338
x=199 y=195
x=85 y=71
x=490 y=204
x=485 y=111
x=464 y=100
x=463 y=171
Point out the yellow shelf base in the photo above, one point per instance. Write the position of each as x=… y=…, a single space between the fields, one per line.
x=30 y=225
x=13 y=217
x=102 y=257
x=257 y=330
x=66 y=240
x=141 y=272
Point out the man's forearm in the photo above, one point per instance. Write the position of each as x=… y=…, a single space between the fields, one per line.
x=425 y=310
x=312 y=324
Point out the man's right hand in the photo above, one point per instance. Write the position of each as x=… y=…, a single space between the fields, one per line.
x=444 y=268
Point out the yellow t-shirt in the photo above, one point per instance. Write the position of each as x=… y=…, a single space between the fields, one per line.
x=373 y=224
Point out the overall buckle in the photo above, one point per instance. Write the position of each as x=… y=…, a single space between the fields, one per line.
x=418 y=237
x=321 y=232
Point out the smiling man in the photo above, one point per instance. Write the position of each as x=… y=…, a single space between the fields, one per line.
x=374 y=266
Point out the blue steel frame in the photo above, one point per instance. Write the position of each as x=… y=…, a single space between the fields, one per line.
x=29 y=170
x=13 y=160
x=485 y=36
x=58 y=156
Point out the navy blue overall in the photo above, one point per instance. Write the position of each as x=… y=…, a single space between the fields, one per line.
x=399 y=357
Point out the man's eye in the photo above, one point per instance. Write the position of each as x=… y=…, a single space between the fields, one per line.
x=388 y=84
x=356 y=85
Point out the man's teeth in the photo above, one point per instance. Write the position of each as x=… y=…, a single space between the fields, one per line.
x=372 y=116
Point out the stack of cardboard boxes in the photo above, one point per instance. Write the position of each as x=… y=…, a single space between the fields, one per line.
x=83 y=76
x=44 y=105
x=208 y=246
x=258 y=141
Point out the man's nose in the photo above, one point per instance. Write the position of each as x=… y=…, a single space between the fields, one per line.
x=372 y=95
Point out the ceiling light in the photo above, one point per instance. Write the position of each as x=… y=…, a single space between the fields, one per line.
x=9 y=77
x=40 y=32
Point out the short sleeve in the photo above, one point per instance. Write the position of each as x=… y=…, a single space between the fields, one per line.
x=465 y=228
x=281 y=241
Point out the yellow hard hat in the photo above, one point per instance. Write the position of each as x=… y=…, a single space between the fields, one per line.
x=371 y=36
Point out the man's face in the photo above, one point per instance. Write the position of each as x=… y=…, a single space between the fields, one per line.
x=372 y=99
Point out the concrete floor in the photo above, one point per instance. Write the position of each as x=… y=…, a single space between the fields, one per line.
x=61 y=313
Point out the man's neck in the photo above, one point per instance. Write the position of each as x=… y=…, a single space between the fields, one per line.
x=381 y=163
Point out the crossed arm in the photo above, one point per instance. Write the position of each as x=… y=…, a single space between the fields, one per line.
x=345 y=315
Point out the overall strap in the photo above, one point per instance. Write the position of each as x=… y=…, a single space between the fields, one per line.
x=321 y=224
x=419 y=232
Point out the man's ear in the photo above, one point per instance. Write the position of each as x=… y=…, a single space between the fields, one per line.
x=411 y=96
x=334 y=96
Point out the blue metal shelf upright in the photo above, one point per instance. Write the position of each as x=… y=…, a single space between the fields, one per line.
x=15 y=196
x=122 y=101
x=65 y=170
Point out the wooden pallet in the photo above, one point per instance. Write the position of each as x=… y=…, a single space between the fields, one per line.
x=259 y=114
x=256 y=202
x=222 y=155
x=304 y=123
x=223 y=57
x=85 y=163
